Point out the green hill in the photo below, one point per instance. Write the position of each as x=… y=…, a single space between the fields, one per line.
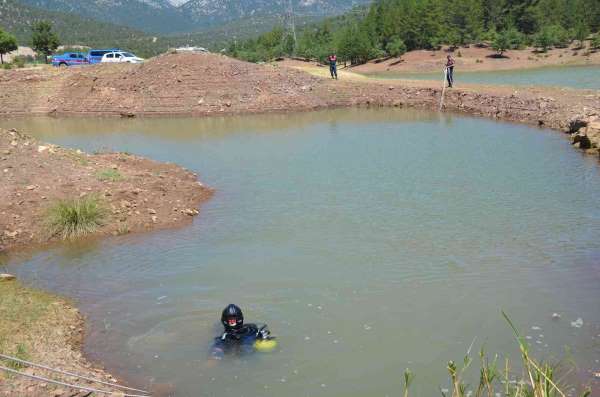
x=19 y=19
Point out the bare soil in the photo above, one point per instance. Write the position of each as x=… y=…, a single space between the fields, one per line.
x=474 y=58
x=35 y=175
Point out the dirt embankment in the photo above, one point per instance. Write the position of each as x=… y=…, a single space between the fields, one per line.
x=200 y=84
x=136 y=193
x=474 y=58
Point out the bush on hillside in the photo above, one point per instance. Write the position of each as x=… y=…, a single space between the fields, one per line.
x=543 y=40
x=396 y=47
x=501 y=43
x=19 y=62
x=596 y=42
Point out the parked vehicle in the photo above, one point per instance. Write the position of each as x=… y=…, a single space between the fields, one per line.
x=95 y=55
x=121 y=57
x=69 y=59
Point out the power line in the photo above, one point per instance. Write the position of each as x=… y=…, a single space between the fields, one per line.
x=42 y=379
x=290 y=21
x=69 y=373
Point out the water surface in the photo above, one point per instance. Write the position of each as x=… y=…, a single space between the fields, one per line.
x=369 y=240
x=581 y=77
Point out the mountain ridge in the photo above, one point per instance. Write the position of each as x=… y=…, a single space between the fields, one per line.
x=190 y=16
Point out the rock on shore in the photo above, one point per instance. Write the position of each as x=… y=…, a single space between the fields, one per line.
x=586 y=133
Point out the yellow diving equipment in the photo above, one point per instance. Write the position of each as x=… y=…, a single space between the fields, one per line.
x=265 y=345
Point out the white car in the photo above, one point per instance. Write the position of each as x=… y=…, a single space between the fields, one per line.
x=120 y=57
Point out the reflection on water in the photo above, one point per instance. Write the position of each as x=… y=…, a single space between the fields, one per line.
x=368 y=240
x=581 y=77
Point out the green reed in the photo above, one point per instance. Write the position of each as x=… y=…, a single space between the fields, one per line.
x=537 y=378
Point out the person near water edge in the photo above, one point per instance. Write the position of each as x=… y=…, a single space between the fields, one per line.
x=240 y=338
x=333 y=65
x=450 y=71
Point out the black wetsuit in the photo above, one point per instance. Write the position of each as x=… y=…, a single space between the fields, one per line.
x=238 y=341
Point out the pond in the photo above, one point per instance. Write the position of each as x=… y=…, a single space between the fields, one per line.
x=370 y=241
x=580 y=77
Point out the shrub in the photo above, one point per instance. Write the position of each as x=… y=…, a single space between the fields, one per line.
x=396 y=47
x=543 y=40
x=75 y=218
x=109 y=174
x=560 y=36
x=489 y=35
x=501 y=43
x=581 y=33
x=515 y=38
x=6 y=66
x=596 y=42
x=19 y=62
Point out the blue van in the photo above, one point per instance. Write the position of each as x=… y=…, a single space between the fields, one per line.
x=95 y=56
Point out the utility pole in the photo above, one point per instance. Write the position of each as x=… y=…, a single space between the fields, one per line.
x=290 y=21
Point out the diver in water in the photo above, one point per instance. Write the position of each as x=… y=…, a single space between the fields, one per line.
x=239 y=337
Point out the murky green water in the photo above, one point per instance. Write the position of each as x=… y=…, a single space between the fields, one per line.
x=369 y=240
x=581 y=77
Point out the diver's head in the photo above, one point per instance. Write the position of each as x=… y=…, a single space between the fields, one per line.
x=232 y=317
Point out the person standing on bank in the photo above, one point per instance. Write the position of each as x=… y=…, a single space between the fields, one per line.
x=450 y=71
x=333 y=65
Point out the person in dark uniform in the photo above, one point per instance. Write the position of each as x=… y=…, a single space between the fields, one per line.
x=237 y=337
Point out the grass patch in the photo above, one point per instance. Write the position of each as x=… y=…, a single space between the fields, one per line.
x=109 y=174
x=20 y=353
x=21 y=310
x=79 y=158
x=122 y=229
x=75 y=218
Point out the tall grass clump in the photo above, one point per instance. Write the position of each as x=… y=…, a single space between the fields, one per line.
x=536 y=378
x=75 y=218
x=109 y=174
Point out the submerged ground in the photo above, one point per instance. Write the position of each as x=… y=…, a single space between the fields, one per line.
x=450 y=232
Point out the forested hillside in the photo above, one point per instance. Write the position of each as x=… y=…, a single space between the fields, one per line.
x=19 y=19
x=71 y=29
x=157 y=17
x=390 y=27
x=192 y=16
